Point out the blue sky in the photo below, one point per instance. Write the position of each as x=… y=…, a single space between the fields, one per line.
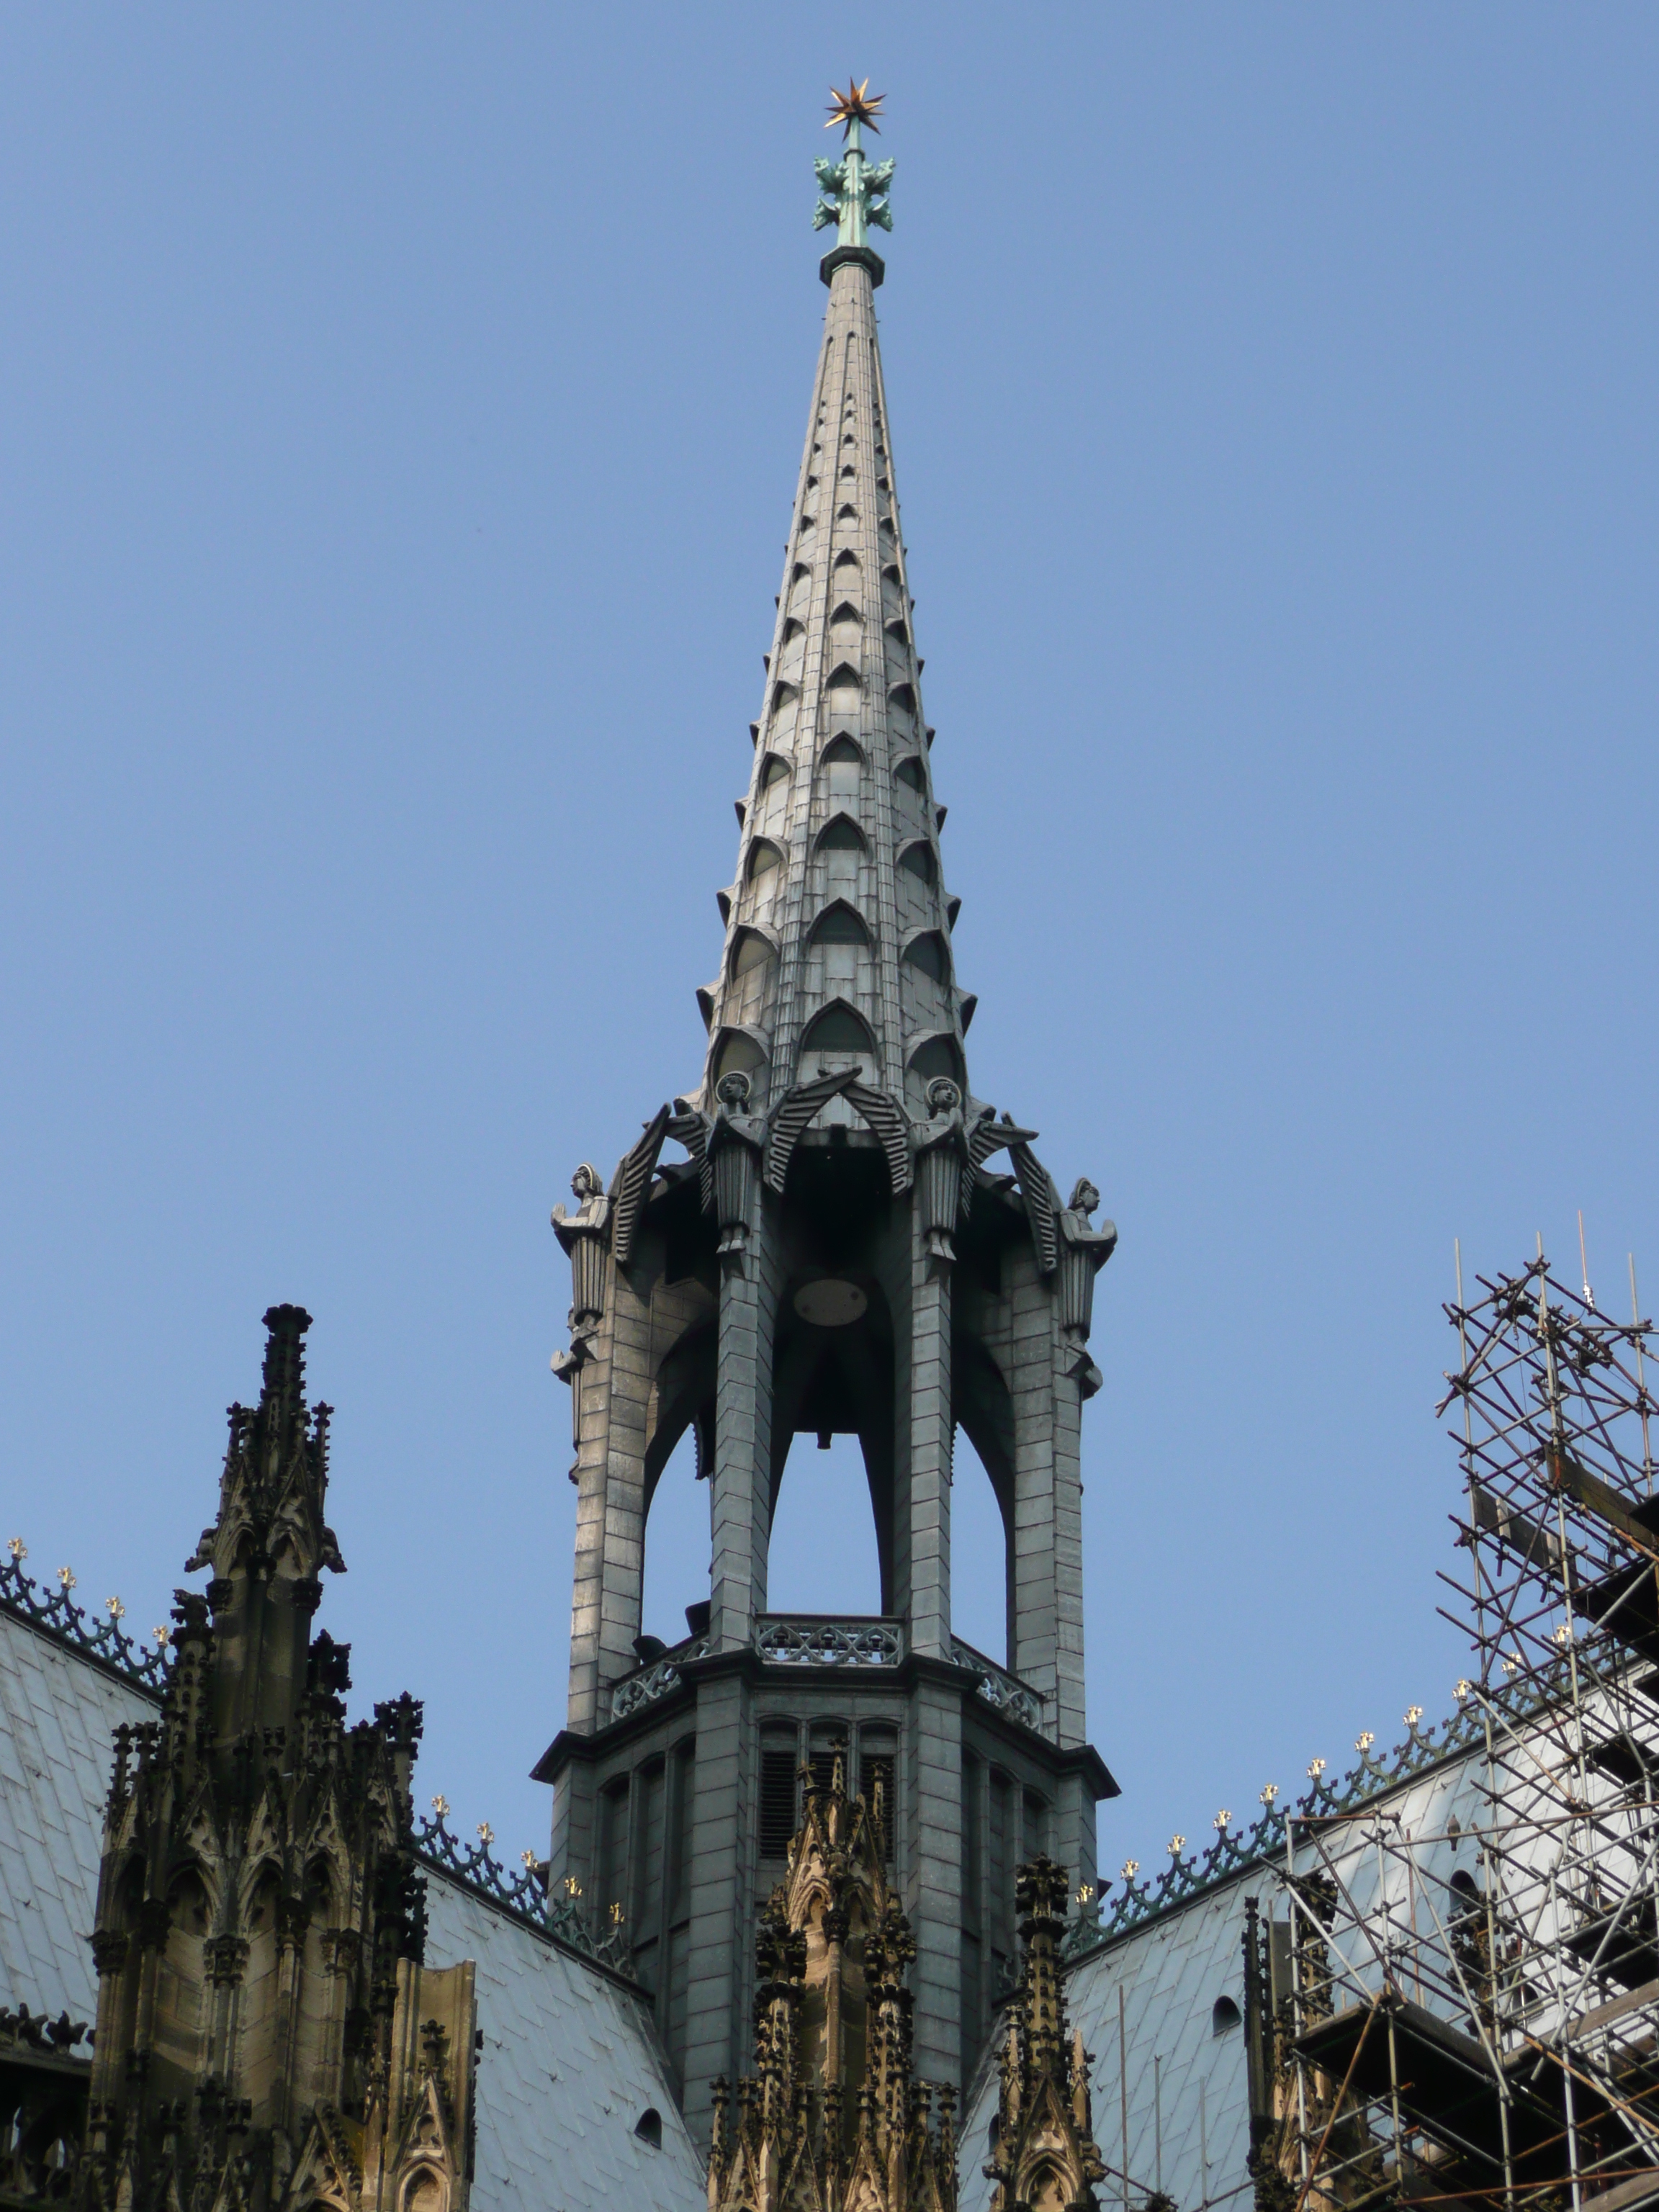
x=400 y=410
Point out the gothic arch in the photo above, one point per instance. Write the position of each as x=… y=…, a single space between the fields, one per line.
x=737 y=1049
x=928 y=952
x=841 y=834
x=750 y=948
x=839 y=923
x=838 y=1027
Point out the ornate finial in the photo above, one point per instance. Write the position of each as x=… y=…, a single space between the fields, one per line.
x=855 y=191
x=858 y=104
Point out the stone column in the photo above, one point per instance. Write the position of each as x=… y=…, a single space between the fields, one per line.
x=933 y=1891
x=741 y=1485
x=722 y=1908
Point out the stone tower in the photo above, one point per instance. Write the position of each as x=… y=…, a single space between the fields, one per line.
x=853 y=1243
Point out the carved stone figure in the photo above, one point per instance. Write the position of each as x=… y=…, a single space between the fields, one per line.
x=942 y=1155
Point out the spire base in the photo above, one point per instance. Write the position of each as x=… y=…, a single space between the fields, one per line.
x=861 y=256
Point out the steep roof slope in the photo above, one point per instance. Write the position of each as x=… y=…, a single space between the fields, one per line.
x=569 y=2064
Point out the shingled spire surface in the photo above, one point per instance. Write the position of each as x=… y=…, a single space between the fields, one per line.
x=838 y=950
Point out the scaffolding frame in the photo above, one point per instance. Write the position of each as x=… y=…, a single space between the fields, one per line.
x=1461 y=2003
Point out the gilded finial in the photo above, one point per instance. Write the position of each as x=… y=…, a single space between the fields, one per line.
x=854 y=190
x=858 y=104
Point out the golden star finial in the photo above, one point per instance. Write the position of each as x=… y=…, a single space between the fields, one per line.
x=856 y=105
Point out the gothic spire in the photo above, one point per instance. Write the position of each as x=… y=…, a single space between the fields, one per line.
x=838 y=949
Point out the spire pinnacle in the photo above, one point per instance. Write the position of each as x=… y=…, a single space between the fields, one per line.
x=854 y=189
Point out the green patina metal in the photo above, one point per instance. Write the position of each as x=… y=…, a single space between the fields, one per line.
x=854 y=192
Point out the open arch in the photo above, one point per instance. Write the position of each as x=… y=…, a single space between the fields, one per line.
x=846 y=559
x=678 y=1540
x=823 y=1554
x=980 y=1552
x=842 y=747
x=845 y=611
x=984 y=1449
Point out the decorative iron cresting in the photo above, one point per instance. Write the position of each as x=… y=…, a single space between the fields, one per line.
x=816 y=1640
x=56 y=1613
x=526 y=1894
x=1003 y=1692
x=647 y=1683
x=1188 y=1875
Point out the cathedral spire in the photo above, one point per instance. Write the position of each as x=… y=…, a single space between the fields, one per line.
x=838 y=955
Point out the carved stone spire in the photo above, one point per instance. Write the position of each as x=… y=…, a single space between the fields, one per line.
x=269 y=1543
x=833 y=2116
x=260 y=1918
x=1044 y=2152
x=838 y=926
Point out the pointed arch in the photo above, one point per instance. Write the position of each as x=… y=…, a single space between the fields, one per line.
x=918 y=858
x=842 y=747
x=738 y=1051
x=846 y=559
x=902 y=696
x=838 y=1027
x=910 y=771
x=773 y=769
x=784 y=695
x=928 y=952
x=763 y=858
x=844 y=610
x=841 y=834
x=935 y=1054
x=841 y=923
x=750 y=948
x=843 y=677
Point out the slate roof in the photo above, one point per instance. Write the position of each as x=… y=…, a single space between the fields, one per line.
x=569 y=2060
x=58 y=1713
x=1184 y=2083
x=569 y=2064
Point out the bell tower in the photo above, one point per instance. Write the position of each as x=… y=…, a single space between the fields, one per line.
x=850 y=1242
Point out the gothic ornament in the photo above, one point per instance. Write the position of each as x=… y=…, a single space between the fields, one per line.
x=258 y=1864
x=942 y=1154
x=1084 y=1251
x=1044 y=2158
x=735 y=1140
x=832 y=2118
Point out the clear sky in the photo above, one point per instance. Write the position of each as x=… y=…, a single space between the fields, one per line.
x=401 y=407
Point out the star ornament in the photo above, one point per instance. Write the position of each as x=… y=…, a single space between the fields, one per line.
x=858 y=104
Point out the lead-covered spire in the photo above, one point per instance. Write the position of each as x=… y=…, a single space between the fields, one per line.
x=837 y=952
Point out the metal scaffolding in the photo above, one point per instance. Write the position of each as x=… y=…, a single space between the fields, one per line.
x=1458 y=2001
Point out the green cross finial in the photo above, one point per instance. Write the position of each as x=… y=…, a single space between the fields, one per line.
x=855 y=189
